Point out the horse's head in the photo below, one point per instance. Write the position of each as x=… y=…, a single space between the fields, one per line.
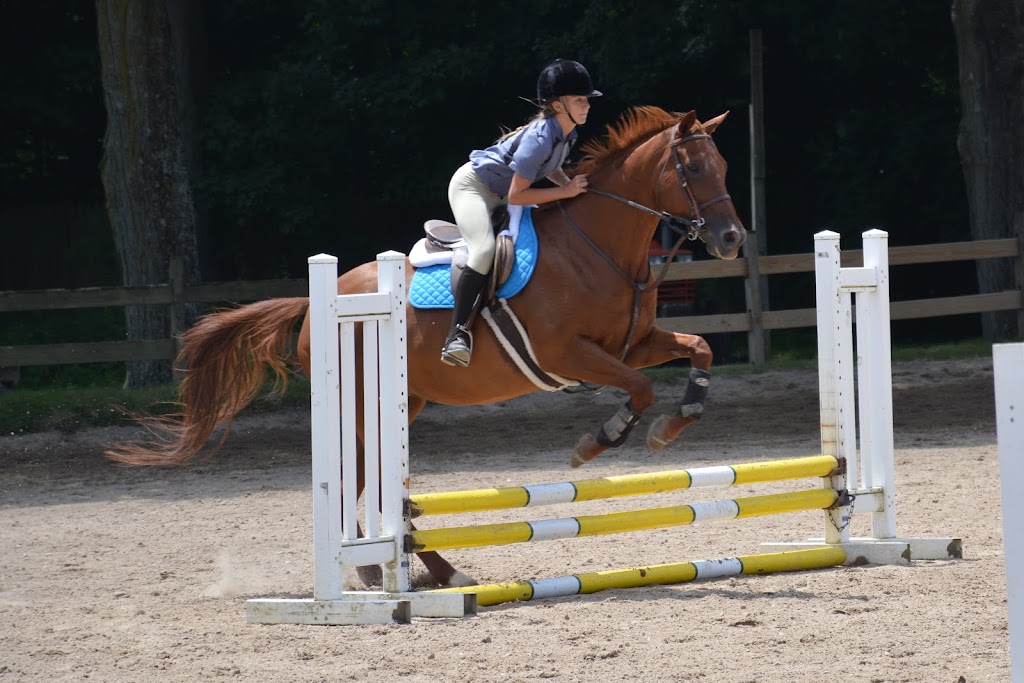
x=691 y=186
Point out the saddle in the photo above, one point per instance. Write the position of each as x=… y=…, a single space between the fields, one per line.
x=443 y=236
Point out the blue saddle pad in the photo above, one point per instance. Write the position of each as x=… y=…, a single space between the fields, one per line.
x=432 y=286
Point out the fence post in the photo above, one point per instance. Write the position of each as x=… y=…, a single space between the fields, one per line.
x=758 y=341
x=1018 y=232
x=176 y=278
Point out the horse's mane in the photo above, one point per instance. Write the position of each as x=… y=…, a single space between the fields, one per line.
x=636 y=124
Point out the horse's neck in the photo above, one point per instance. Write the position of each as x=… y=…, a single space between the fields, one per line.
x=623 y=232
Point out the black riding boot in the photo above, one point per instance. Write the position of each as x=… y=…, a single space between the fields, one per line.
x=459 y=346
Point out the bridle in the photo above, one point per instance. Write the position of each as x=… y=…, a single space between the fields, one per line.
x=691 y=228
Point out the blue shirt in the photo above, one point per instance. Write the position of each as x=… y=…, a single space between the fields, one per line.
x=535 y=152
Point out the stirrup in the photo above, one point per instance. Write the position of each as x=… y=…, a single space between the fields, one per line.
x=459 y=349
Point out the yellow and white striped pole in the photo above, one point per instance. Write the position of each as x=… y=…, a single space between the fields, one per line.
x=662 y=574
x=452 y=502
x=618 y=522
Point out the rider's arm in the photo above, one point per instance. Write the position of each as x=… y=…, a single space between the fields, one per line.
x=522 y=192
x=559 y=178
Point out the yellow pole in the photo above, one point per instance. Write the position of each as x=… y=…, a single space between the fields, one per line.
x=663 y=574
x=618 y=522
x=478 y=500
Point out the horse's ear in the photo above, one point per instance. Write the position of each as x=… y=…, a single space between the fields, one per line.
x=712 y=124
x=686 y=122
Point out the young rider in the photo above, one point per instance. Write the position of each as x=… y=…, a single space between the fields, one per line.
x=504 y=174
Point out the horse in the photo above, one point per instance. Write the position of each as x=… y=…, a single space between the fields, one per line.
x=589 y=308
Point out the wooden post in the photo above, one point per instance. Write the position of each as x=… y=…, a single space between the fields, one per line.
x=177 y=313
x=1018 y=270
x=759 y=341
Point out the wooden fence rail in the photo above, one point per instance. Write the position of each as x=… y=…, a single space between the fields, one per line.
x=804 y=263
x=93 y=352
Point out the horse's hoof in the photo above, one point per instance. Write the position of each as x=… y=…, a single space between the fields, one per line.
x=460 y=579
x=371 y=575
x=656 y=433
x=586 y=450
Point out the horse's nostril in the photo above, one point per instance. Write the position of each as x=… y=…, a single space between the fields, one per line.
x=730 y=237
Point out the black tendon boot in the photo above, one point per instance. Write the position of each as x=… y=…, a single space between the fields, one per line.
x=459 y=346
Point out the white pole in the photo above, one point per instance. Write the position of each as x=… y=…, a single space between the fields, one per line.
x=325 y=418
x=877 y=448
x=394 y=419
x=371 y=428
x=833 y=318
x=349 y=443
x=1008 y=367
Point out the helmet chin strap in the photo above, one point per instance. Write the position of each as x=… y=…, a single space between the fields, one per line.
x=567 y=111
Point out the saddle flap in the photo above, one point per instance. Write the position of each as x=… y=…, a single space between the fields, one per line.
x=504 y=261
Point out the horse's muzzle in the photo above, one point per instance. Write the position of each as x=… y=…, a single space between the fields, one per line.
x=726 y=244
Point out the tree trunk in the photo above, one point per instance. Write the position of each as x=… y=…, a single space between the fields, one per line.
x=990 y=43
x=145 y=165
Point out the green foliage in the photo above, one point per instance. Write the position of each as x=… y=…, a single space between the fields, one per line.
x=69 y=409
x=334 y=126
x=73 y=408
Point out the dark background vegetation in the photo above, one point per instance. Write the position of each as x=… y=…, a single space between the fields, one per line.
x=333 y=126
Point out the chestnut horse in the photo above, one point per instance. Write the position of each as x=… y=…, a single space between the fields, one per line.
x=589 y=308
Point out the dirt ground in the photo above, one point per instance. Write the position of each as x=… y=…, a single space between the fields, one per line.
x=116 y=574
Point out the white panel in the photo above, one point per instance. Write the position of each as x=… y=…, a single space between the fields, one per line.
x=325 y=423
x=394 y=414
x=1008 y=360
x=287 y=611
x=878 y=411
x=858 y=279
x=362 y=305
x=371 y=429
x=349 y=444
x=833 y=313
x=365 y=552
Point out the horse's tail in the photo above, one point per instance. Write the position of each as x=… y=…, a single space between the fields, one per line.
x=224 y=355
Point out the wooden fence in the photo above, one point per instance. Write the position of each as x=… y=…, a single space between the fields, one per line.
x=174 y=296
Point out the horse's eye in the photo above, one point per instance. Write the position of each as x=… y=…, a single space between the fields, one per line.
x=693 y=167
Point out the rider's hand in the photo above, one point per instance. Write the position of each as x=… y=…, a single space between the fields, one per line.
x=576 y=186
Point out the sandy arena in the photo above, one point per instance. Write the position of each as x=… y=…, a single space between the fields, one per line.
x=114 y=574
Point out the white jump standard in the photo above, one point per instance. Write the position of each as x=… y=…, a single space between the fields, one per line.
x=852 y=482
x=870 y=477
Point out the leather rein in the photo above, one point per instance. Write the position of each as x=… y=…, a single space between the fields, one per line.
x=688 y=228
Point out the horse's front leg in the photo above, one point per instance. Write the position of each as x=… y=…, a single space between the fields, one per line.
x=658 y=347
x=584 y=360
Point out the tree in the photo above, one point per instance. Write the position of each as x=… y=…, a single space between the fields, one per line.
x=145 y=167
x=990 y=42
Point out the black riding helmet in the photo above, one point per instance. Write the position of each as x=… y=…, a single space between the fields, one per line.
x=564 y=77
